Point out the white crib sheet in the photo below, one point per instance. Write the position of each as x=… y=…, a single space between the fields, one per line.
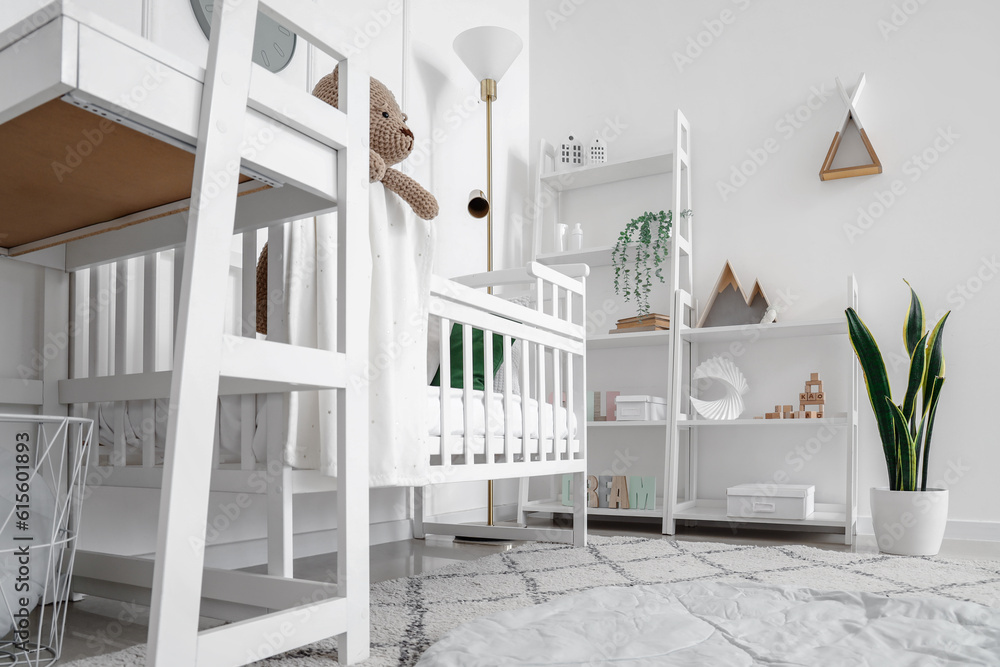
x=456 y=416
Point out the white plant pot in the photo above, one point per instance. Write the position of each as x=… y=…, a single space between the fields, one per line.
x=909 y=523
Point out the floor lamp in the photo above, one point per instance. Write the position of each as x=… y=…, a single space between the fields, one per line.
x=488 y=52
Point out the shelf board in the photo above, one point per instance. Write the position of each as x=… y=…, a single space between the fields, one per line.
x=833 y=421
x=609 y=172
x=834 y=516
x=737 y=332
x=625 y=423
x=613 y=341
x=556 y=507
x=592 y=257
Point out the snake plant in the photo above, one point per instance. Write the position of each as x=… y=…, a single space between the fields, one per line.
x=904 y=428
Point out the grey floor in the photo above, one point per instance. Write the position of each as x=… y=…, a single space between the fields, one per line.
x=96 y=626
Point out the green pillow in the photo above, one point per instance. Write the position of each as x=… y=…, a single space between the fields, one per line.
x=478 y=359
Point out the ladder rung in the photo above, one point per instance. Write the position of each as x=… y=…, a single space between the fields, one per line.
x=234 y=643
x=265 y=367
x=684 y=246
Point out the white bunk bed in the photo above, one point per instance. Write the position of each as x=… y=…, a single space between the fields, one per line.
x=60 y=65
x=169 y=124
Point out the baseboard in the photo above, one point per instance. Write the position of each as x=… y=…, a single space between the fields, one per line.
x=980 y=531
x=500 y=513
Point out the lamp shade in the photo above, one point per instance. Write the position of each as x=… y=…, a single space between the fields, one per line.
x=488 y=51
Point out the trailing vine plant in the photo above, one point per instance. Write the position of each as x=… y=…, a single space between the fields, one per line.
x=648 y=253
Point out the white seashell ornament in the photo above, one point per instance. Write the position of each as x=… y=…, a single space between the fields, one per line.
x=725 y=371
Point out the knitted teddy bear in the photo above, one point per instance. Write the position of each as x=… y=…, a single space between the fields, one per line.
x=391 y=142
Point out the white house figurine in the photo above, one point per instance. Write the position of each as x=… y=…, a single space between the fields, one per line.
x=571 y=153
x=598 y=151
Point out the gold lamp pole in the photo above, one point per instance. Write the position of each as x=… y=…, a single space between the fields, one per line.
x=488 y=91
x=488 y=52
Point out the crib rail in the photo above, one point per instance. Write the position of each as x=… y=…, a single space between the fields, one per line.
x=532 y=408
x=123 y=321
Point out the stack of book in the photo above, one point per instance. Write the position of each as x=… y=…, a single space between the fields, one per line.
x=650 y=322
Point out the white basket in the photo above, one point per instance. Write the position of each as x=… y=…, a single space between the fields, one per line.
x=776 y=501
x=43 y=465
x=641 y=408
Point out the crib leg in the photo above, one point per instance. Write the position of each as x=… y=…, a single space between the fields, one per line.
x=279 y=492
x=522 y=500
x=418 y=513
x=579 y=509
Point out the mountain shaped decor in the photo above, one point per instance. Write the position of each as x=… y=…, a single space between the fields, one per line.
x=730 y=304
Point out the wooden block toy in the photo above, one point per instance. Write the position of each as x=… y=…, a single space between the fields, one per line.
x=803 y=397
x=814 y=377
x=819 y=415
x=820 y=396
x=810 y=397
x=592 y=499
x=758 y=417
x=801 y=414
x=787 y=408
x=772 y=415
x=618 y=495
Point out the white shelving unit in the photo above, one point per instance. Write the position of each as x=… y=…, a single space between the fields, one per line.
x=684 y=427
x=676 y=164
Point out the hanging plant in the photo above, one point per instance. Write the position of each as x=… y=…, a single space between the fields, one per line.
x=638 y=254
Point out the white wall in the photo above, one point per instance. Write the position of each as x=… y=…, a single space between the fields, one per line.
x=931 y=92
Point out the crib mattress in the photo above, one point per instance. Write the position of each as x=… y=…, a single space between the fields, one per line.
x=228 y=429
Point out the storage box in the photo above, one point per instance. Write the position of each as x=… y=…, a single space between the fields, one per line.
x=641 y=408
x=773 y=501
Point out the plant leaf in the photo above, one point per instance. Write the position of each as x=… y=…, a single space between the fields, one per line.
x=877 y=384
x=917 y=368
x=935 y=360
x=929 y=427
x=913 y=328
x=905 y=449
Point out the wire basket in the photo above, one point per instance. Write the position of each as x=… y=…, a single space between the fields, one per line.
x=43 y=465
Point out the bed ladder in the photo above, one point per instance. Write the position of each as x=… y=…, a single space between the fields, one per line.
x=297 y=615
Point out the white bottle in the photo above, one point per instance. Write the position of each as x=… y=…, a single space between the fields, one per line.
x=576 y=238
x=561 y=231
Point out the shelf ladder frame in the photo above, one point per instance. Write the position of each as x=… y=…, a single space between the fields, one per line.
x=683 y=309
x=201 y=354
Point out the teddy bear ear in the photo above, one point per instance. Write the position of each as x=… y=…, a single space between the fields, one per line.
x=328 y=87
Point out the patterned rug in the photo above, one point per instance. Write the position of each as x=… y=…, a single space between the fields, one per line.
x=410 y=614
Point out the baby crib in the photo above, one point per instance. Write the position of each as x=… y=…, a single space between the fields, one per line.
x=531 y=418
